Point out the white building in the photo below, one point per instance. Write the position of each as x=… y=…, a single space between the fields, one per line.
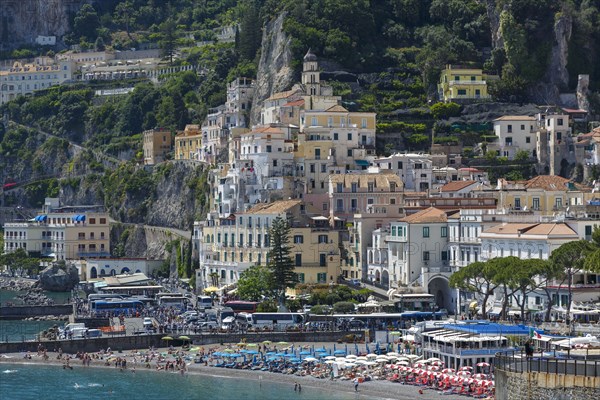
x=418 y=251
x=98 y=268
x=24 y=79
x=414 y=169
x=514 y=133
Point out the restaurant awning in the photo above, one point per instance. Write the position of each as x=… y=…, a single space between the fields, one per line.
x=319 y=218
x=362 y=163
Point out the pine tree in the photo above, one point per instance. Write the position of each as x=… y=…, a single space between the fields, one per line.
x=280 y=262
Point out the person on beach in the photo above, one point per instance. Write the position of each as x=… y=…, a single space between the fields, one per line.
x=299 y=388
x=355 y=381
x=295 y=386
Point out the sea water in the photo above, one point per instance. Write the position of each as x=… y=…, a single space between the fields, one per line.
x=23 y=382
x=21 y=330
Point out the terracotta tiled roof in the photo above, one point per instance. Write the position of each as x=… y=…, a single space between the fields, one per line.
x=455 y=186
x=429 y=215
x=552 y=183
x=273 y=208
x=294 y=103
x=549 y=229
x=265 y=129
x=336 y=108
x=282 y=95
x=381 y=181
x=515 y=118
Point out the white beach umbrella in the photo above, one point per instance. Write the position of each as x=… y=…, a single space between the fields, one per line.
x=351 y=356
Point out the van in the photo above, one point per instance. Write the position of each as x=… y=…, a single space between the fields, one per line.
x=148 y=324
x=227 y=323
x=72 y=326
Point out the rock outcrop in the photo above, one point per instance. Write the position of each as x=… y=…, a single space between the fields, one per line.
x=583 y=89
x=21 y=21
x=275 y=72
x=56 y=279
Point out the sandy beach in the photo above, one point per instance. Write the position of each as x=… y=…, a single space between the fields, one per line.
x=376 y=389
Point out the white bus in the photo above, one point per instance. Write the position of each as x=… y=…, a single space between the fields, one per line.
x=279 y=319
x=205 y=302
x=174 y=301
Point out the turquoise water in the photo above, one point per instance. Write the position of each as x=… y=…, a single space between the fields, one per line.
x=18 y=331
x=10 y=296
x=21 y=382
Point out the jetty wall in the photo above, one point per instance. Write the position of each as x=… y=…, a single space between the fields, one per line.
x=22 y=312
x=120 y=343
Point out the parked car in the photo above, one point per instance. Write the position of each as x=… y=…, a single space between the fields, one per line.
x=208 y=325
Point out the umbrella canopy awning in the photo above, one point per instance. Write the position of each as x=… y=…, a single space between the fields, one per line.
x=211 y=289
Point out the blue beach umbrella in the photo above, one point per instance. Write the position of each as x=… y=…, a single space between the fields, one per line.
x=305 y=353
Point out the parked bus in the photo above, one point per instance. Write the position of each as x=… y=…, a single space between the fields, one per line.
x=242 y=306
x=280 y=319
x=105 y=296
x=128 y=307
x=205 y=302
x=174 y=301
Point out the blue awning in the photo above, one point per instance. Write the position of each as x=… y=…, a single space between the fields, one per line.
x=41 y=218
x=362 y=163
x=78 y=218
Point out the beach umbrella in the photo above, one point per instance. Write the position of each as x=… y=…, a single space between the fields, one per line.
x=283 y=343
x=403 y=363
x=438 y=363
x=434 y=368
x=166 y=338
x=483 y=364
x=371 y=355
x=330 y=362
x=479 y=376
x=466 y=368
x=305 y=353
x=330 y=358
x=251 y=352
x=362 y=358
x=195 y=349
x=228 y=351
x=350 y=365
x=464 y=373
x=310 y=359
x=266 y=342
x=448 y=370
x=395 y=333
x=251 y=345
x=240 y=344
x=351 y=356
x=393 y=354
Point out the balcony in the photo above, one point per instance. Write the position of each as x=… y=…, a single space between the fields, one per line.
x=473 y=83
x=437 y=270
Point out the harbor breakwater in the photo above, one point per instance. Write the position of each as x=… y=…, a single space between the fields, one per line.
x=22 y=312
x=119 y=343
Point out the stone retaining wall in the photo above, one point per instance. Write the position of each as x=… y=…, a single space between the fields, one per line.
x=144 y=341
x=545 y=386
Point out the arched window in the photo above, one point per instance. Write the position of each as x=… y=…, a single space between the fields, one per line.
x=113 y=272
x=93 y=273
x=102 y=272
x=125 y=270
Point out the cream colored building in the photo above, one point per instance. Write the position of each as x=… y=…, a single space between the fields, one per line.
x=514 y=133
x=351 y=194
x=157 y=144
x=24 y=79
x=233 y=244
x=543 y=195
x=63 y=233
x=188 y=143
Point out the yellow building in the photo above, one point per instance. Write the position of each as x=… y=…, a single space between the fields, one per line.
x=157 y=144
x=241 y=240
x=459 y=83
x=544 y=194
x=188 y=143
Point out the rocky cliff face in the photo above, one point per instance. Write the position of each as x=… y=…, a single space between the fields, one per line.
x=21 y=21
x=494 y=17
x=140 y=241
x=275 y=73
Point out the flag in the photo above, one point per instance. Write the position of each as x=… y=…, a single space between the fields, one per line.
x=537 y=335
